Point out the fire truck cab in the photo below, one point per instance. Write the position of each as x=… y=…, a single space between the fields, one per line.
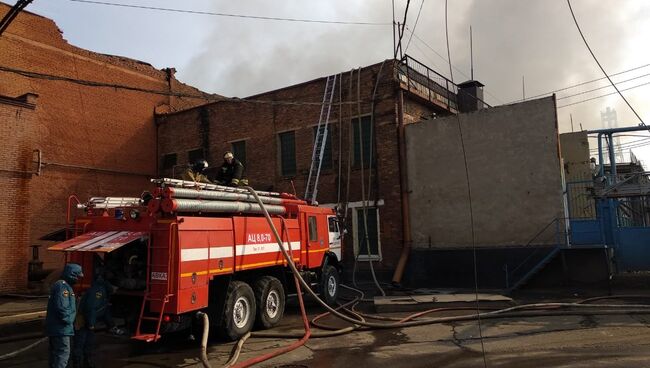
x=193 y=247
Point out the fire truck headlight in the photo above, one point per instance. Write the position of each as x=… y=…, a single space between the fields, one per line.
x=134 y=214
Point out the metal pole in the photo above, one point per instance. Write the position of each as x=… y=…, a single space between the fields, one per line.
x=612 y=159
x=601 y=169
x=471 y=54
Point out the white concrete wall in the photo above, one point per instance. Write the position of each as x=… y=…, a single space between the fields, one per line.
x=514 y=175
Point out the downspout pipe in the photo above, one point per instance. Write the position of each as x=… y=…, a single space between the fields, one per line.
x=406 y=221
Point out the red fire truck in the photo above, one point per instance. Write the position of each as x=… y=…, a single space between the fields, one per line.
x=189 y=247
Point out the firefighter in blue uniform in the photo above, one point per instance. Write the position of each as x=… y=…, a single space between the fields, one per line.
x=61 y=311
x=94 y=307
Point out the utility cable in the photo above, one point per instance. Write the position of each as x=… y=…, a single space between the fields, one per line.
x=605 y=95
x=600 y=66
x=627 y=144
x=587 y=82
x=401 y=31
x=469 y=195
x=246 y=16
x=414 y=25
x=602 y=87
x=207 y=97
x=12 y=14
x=370 y=169
x=447 y=61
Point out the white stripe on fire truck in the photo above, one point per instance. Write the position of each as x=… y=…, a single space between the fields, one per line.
x=248 y=249
x=98 y=239
x=201 y=254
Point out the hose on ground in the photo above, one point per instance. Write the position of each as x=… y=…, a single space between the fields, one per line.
x=353 y=321
x=204 y=340
x=236 y=351
x=21 y=350
x=301 y=302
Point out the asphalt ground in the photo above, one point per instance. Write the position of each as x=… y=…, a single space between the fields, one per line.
x=554 y=341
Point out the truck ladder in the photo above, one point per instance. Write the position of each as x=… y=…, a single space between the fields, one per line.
x=320 y=141
x=161 y=297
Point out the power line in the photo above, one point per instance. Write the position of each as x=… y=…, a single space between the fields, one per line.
x=414 y=25
x=469 y=197
x=587 y=82
x=207 y=97
x=401 y=31
x=257 y=17
x=602 y=87
x=447 y=61
x=597 y=62
x=629 y=144
x=605 y=95
x=12 y=14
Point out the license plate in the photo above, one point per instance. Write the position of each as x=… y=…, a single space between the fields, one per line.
x=159 y=276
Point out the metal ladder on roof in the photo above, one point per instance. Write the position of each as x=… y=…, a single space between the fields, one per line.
x=320 y=141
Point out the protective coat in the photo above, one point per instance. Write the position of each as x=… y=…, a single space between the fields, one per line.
x=61 y=306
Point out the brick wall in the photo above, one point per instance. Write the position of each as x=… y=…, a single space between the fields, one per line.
x=259 y=124
x=17 y=129
x=95 y=140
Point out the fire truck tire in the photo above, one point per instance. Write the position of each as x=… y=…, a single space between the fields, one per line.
x=269 y=297
x=329 y=285
x=239 y=311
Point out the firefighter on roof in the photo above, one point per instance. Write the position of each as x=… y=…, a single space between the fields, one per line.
x=195 y=172
x=231 y=172
x=61 y=311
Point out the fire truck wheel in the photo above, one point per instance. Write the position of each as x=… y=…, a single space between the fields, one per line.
x=269 y=295
x=329 y=285
x=239 y=312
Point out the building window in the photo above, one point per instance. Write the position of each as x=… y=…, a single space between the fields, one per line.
x=195 y=155
x=288 y=153
x=239 y=150
x=327 y=154
x=313 y=230
x=169 y=161
x=362 y=128
x=372 y=240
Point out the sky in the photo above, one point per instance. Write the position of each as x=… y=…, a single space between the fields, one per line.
x=519 y=46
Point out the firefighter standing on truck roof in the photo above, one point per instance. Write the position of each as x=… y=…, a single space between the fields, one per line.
x=61 y=311
x=231 y=172
x=195 y=172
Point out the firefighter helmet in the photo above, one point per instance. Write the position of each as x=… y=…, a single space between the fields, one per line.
x=199 y=165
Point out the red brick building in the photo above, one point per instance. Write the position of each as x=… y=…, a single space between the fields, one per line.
x=274 y=132
x=92 y=125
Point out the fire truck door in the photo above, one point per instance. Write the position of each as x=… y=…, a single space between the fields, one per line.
x=317 y=243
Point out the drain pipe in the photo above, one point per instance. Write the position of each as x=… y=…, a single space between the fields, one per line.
x=403 y=178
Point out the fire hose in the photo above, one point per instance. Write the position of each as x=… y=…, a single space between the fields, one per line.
x=521 y=310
